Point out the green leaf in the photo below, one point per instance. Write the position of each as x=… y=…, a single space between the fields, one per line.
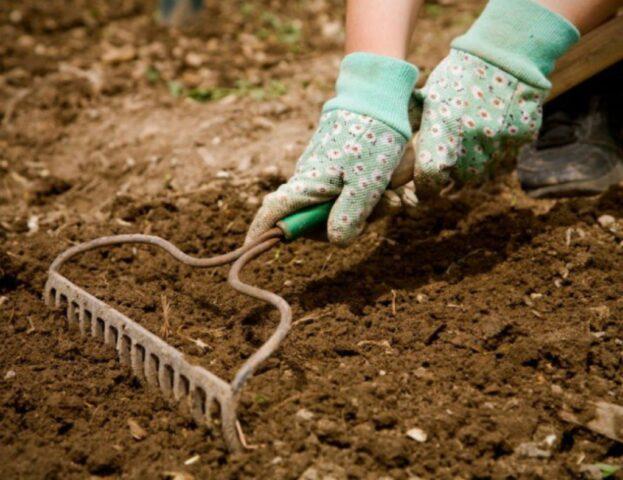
x=607 y=470
x=176 y=89
x=209 y=94
x=152 y=74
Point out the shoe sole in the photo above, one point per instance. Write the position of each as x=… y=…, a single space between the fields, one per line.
x=580 y=188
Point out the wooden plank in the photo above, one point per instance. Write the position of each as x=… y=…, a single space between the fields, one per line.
x=596 y=51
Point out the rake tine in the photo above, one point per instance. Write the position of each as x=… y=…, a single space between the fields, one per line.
x=181 y=386
x=137 y=360
x=165 y=380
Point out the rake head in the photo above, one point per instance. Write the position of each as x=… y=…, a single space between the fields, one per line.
x=150 y=357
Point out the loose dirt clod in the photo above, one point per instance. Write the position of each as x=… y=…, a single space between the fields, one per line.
x=137 y=432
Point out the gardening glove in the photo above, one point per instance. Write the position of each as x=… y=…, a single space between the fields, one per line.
x=485 y=99
x=358 y=143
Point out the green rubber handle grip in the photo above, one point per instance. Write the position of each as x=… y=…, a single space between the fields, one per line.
x=305 y=221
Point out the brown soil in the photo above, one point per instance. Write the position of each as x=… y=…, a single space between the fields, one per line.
x=476 y=320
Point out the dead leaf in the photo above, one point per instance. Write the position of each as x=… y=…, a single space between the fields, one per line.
x=607 y=421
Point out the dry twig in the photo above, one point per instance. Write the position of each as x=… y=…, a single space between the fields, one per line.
x=165 y=329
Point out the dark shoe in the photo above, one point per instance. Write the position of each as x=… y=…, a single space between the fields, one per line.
x=579 y=150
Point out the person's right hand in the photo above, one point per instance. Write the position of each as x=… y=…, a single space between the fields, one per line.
x=359 y=141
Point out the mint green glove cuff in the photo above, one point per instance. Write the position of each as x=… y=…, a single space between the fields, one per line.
x=520 y=37
x=377 y=86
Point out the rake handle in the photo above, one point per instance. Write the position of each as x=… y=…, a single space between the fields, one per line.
x=305 y=220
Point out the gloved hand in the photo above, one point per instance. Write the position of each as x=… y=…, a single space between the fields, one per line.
x=485 y=99
x=359 y=141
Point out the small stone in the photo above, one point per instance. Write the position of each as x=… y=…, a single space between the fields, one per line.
x=550 y=440
x=9 y=375
x=417 y=434
x=606 y=221
x=422 y=372
x=271 y=171
x=119 y=55
x=531 y=450
x=288 y=283
x=421 y=298
x=223 y=174
x=262 y=122
x=33 y=224
x=137 y=432
x=26 y=41
x=304 y=414
x=16 y=16
x=324 y=471
x=193 y=59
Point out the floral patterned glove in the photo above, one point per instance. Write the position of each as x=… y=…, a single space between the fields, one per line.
x=359 y=141
x=485 y=99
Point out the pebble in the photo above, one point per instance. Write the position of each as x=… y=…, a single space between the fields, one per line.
x=304 y=414
x=417 y=434
x=137 y=432
x=10 y=374
x=193 y=59
x=606 y=221
x=16 y=16
x=119 y=55
x=421 y=298
x=550 y=440
x=270 y=171
x=324 y=471
x=531 y=450
x=253 y=201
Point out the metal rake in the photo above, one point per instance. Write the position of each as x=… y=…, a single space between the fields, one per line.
x=160 y=364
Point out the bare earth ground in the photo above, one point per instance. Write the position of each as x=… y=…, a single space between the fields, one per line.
x=477 y=319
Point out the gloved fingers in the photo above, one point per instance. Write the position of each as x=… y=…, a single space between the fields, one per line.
x=289 y=198
x=436 y=148
x=474 y=157
x=403 y=173
x=351 y=210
